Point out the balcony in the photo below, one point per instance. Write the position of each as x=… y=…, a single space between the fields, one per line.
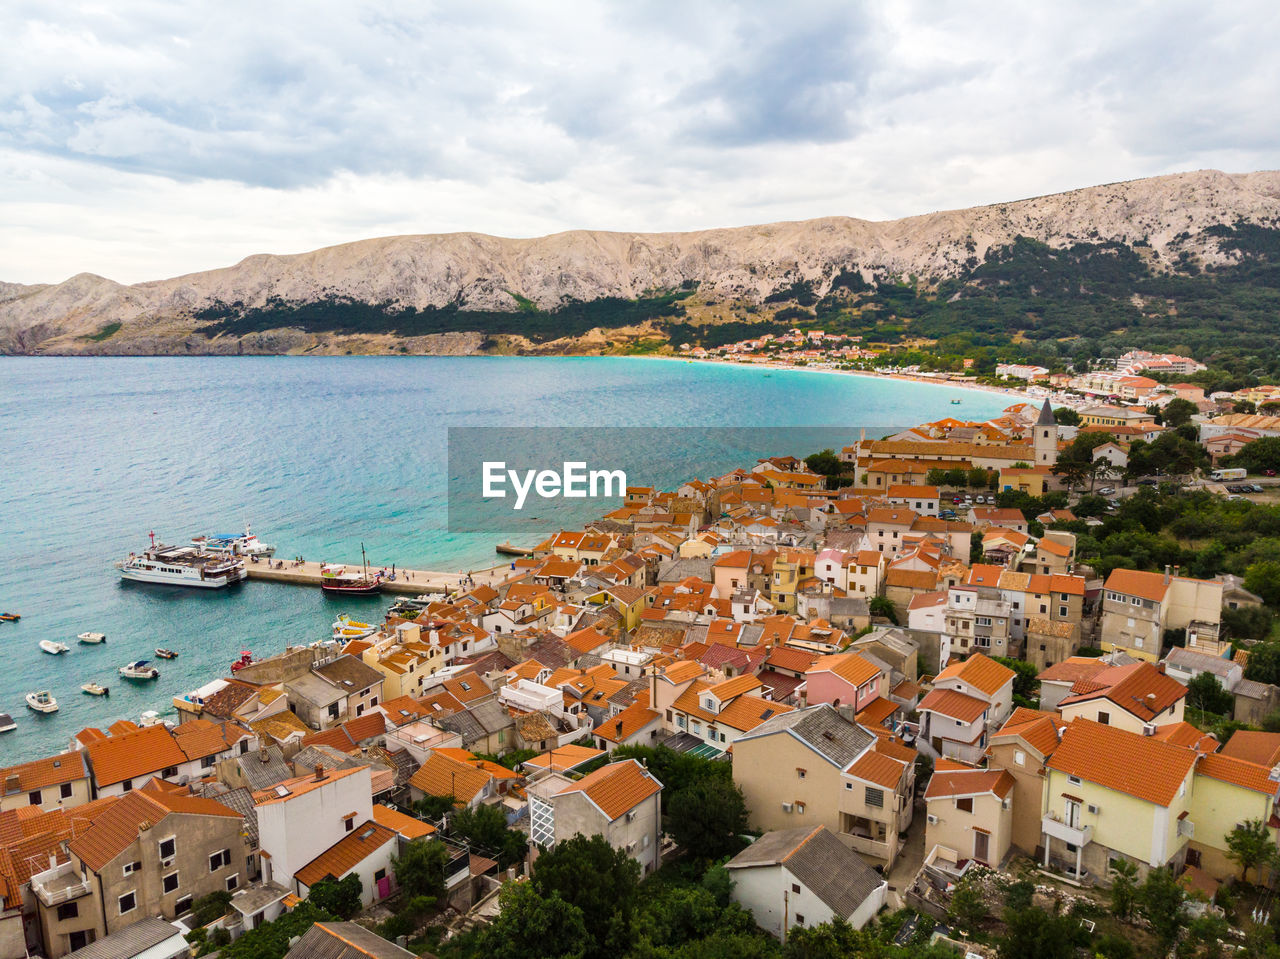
x=1053 y=825
x=59 y=884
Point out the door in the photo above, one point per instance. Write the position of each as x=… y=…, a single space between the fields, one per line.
x=981 y=846
x=1073 y=814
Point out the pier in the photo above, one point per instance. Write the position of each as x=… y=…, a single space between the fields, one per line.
x=408 y=582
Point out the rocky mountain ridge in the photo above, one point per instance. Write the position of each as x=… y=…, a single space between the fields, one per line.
x=470 y=271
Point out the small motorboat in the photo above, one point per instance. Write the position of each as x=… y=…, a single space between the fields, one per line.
x=149 y=718
x=42 y=701
x=10 y=617
x=165 y=653
x=96 y=689
x=345 y=627
x=955 y=402
x=246 y=659
x=53 y=648
x=7 y=725
x=139 y=669
x=92 y=638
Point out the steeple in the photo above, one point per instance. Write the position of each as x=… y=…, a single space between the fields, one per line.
x=1046 y=414
x=1046 y=437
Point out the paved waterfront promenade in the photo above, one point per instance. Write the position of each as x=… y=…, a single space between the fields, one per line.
x=410 y=582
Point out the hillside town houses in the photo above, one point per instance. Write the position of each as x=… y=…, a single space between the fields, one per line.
x=853 y=652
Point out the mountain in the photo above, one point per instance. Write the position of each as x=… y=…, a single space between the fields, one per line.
x=590 y=291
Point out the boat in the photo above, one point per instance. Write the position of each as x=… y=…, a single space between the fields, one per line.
x=246 y=659
x=165 y=653
x=506 y=549
x=235 y=544
x=344 y=582
x=955 y=402
x=10 y=617
x=7 y=725
x=95 y=689
x=42 y=701
x=139 y=669
x=344 y=627
x=182 y=566
x=92 y=637
x=149 y=718
x=53 y=648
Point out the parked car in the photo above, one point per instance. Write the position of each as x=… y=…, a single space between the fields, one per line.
x=1270 y=472
x=980 y=498
x=1107 y=491
x=957 y=500
x=1256 y=488
x=1148 y=482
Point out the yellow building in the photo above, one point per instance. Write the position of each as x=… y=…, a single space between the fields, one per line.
x=790 y=567
x=1111 y=794
x=1228 y=791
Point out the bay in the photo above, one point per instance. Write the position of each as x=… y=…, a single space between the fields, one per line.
x=321 y=454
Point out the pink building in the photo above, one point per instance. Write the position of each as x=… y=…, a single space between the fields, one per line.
x=844 y=679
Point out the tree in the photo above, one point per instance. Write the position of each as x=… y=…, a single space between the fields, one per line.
x=1264 y=579
x=1263 y=665
x=601 y=881
x=968 y=908
x=420 y=868
x=531 y=924
x=1178 y=411
x=341 y=897
x=1066 y=416
x=1124 y=889
x=486 y=826
x=1161 y=901
x=1247 y=622
x=1033 y=933
x=435 y=807
x=272 y=940
x=1025 y=683
x=883 y=606
x=825 y=463
x=1249 y=845
x=936 y=477
x=708 y=818
x=1259 y=456
x=1206 y=693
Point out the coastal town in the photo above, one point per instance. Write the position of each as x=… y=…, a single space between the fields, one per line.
x=878 y=690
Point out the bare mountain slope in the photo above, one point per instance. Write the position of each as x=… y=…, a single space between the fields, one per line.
x=481 y=272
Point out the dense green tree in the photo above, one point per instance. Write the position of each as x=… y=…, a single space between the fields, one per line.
x=1248 y=845
x=342 y=897
x=1025 y=683
x=1162 y=902
x=272 y=940
x=486 y=826
x=1257 y=457
x=1263 y=579
x=883 y=606
x=531 y=924
x=1178 y=411
x=1247 y=622
x=1263 y=665
x=419 y=870
x=1205 y=692
x=1032 y=933
x=589 y=874
x=824 y=463
x=1124 y=888
x=434 y=807
x=708 y=818
x=1066 y=416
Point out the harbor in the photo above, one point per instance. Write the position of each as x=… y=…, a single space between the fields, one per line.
x=395 y=579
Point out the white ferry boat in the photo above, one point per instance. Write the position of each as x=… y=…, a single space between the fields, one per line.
x=182 y=566
x=234 y=544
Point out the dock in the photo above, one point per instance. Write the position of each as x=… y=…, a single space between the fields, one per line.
x=408 y=582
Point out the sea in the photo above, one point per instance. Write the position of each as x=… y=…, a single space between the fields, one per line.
x=324 y=456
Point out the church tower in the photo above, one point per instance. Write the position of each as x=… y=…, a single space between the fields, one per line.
x=1046 y=438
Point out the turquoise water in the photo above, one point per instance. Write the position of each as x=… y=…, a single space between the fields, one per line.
x=321 y=454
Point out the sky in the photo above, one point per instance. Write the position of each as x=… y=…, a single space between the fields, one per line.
x=141 y=139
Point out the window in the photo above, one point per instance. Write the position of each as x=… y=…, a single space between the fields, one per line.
x=182 y=906
x=68 y=910
x=168 y=847
x=1020 y=758
x=206 y=763
x=801 y=773
x=795 y=887
x=799 y=919
x=170 y=882
x=1074 y=780
x=1062 y=612
x=219 y=859
x=875 y=797
x=127 y=903
x=233 y=882
x=380 y=875
x=80 y=939
x=127 y=785
x=131 y=867
x=333 y=711
x=349 y=824
x=965 y=805
x=65 y=791
x=34 y=798
x=1104 y=718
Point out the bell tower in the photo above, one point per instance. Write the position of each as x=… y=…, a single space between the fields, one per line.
x=1046 y=437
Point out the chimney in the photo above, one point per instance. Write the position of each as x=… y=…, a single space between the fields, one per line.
x=1166 y=574
x=319 y=773
x=618 y=729
x=262 y=756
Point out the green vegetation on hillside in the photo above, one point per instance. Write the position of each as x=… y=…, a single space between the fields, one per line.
x=108 y=331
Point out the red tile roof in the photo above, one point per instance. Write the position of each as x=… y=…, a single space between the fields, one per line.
x=979 y=671
x=969 y=782
x=347 y=853
x=1108 y=756
x=133 y=755
x=617 y=788
x=956 y=705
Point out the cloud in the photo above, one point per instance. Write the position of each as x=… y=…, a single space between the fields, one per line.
x=141 y=139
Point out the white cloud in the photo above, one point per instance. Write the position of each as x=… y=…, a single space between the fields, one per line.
x=142 y=139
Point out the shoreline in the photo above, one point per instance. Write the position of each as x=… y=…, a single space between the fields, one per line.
x=1021 y=395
